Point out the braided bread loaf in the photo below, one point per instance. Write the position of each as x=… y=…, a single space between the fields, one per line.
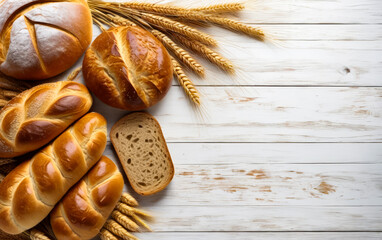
x=83 y=211
x=30 y=191
x=36 y=116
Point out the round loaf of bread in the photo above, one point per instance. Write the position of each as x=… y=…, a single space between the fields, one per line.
x=40 y=39
x=128 y=68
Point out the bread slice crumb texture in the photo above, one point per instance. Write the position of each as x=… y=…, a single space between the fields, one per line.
x=143 y=153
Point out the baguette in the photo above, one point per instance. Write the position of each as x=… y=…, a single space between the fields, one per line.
x=36 y=116
x=83 y=210
x=143 y=153
x=30 y=191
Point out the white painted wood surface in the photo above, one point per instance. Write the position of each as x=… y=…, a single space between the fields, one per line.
x=291 y=146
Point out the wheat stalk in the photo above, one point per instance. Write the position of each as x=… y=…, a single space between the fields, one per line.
x=106 y=235
x=141 y=222
x=151 y=7
x=118 y=230
x=220 y=8
x=206 y=52
x=179 y=52
x=178 y=27
x=186 y=83
x=37 y=235
x=125 y=221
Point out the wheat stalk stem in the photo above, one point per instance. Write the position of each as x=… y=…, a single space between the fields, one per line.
x=179 y=52
x=178 y=27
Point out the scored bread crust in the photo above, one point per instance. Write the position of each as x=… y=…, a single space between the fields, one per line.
x=30 y=191
x=127 y=68
x=124 y=129
x=84 y=209
x=36 y=116
x=40 y=39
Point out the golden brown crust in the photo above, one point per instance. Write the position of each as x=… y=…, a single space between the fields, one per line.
x=84 y=209
x=36 y=116
x=30 y=191
x=41 y=39
x=128 y=68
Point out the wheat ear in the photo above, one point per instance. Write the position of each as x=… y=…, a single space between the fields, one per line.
x=186 y=83
x=38 y=235
x=237 y=26
x=178 y=27
x=74 y=74
x=106 y=235
x=151 y=7
x=220 y=8
x=129 y=200
x=179 y=52
x=120 y=20
x=206 y=52
x=118 y=230
x=125 y=221
x=123 y=208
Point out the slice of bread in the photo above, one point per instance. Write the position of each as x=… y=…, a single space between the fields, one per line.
x=142 y=150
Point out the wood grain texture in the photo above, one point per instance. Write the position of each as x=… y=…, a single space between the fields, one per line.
x=260 y=235
x=264 y=114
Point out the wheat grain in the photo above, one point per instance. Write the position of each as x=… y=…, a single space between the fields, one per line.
x=175 y=26
x=118 y=230
x=106 y=235
x=129 y=200
x=125 y=221
x=206 y=52
x=237 y=26
x=37 y=235
x=4 y=161
x=3 y=103
x=179 y=52
x=220 y=8
x=186 y=83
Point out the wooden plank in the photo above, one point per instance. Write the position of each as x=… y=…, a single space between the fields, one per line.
x=270 y=153
x=259 y=235
x=265 y=218
x=263 y=114
x=275 y=184
x=300 y=11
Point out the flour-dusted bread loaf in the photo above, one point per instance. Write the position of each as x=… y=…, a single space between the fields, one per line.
x=143 y=153
x=127 y=68
x=84 y=209
x=40 y=39
x=36 y=116
x=30 y=191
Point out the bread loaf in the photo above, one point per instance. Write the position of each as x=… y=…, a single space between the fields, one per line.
x=83 y=210
x=30 y=191
x=40 y=39
x=127 y=68
x=143 y=153
x=36 y=116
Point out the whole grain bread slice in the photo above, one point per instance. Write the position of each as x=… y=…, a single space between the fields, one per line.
x=142 y=150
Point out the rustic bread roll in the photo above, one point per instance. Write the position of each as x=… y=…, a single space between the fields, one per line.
x=30 y=191
x=83 y=210
x=40 y=39
x=36 y=116
x=127 y=68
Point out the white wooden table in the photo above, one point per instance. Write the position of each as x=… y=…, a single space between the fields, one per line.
x=290 y=147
